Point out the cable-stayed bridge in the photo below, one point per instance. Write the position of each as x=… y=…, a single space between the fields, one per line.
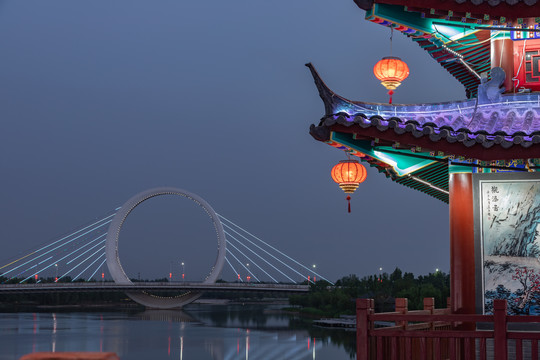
x=78 y=260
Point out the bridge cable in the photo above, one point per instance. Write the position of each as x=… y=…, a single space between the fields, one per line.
x=87 y=250
x=57 y=261
x=94 y=273
x=7 y=272
x=86 y=268
x=45 y=268
x=249 y=259
x=273 y=248
x=39 y=263
x=52 y=264
x=65 y=237
x=232 y=267
x=250 y=272
x=263 y=259
x=82 y=262
x=251 y=242
x=244 y=266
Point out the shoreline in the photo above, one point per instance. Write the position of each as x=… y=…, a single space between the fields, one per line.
x=122 y=306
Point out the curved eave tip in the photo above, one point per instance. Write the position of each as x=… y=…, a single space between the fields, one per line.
x=323 y=89
x=313 y=71
x=331 y=100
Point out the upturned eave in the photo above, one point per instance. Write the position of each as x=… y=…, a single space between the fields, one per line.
x=506 y=129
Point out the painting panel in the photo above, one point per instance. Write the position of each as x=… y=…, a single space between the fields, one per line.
x=507 y=241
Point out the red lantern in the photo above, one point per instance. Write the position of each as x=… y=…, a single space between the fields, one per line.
x=349 y=174
x=391 y=70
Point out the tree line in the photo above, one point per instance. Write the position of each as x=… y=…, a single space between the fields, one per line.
x=384 y=288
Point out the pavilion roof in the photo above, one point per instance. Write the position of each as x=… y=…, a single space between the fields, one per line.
x=483 y=135
x=508 y=129
x=458 y=41
x=475 y=50
x=483 y=10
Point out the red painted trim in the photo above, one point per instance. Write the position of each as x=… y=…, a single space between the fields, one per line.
x=477 y=151
x=519 y=10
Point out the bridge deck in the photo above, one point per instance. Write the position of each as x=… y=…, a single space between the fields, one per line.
x=150 y=286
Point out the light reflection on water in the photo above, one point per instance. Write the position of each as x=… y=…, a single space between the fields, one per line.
x=201 y=332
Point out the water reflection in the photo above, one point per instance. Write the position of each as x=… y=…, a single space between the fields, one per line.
x=181 y=347
x=200 y=332
x=34 y=332
x=101 y=332
x=170 y=316
x=245 y=316
x=247 y=345
x=55 y=322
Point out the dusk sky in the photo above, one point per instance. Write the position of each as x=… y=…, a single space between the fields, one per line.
x=100 y=100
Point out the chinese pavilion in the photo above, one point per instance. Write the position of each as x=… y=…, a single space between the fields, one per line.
x=491 y=47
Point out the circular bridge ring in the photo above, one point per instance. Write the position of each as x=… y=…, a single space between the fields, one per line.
x=113 y=261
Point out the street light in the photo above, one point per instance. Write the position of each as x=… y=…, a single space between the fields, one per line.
x=314 y=276
x=56 y=273
x=248 y=277
x=183 y=271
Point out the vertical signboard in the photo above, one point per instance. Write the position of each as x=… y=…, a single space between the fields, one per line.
x=507 y=241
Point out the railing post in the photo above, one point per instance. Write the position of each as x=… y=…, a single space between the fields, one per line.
x=363 y=310
x=500 y=330
x=429 y=305
x=402 y=306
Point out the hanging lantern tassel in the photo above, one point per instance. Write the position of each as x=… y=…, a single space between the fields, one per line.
x=390 y=92
x=349 y=202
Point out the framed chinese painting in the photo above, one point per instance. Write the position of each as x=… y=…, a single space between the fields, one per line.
x=507 y=241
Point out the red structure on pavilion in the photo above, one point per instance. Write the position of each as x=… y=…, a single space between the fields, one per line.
x=493 y=49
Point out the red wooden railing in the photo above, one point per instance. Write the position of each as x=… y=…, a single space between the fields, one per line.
x=436 y=334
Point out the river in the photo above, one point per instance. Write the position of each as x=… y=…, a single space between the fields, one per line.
x=217 y=332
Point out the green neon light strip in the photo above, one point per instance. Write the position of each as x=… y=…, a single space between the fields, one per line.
x=413 y=20
x=402 y=164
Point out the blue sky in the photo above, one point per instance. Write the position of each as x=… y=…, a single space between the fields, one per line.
x=100 y=100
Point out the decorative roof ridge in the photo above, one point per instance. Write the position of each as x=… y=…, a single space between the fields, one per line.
x=508 y=113
x=510 y=99
x=430 y=135
x=427 y=128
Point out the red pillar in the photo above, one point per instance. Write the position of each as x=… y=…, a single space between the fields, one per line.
x=502 y=55
x=462 y=270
